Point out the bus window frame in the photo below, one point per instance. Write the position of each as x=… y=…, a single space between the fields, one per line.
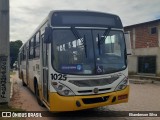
x=37 y=45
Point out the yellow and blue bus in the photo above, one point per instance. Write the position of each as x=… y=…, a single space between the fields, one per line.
x=76 y=60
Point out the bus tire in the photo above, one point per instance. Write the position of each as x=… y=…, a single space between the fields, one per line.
x=23 y=83
x=37 y=96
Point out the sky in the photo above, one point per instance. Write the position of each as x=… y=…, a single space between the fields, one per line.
x=26 y=15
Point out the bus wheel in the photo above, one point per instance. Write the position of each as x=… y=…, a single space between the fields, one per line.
x=23 y=83
x=37 y=96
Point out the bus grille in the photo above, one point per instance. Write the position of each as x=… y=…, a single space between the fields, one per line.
x=93 y=83
x=95 y=100
x=90 y=91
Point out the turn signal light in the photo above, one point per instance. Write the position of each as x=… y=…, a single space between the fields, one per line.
x=123 y=97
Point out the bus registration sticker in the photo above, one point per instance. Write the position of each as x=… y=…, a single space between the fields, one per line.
x=72 y=68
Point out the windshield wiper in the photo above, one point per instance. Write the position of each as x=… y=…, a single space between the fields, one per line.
x=102 y=39
x=85 y=45
x=76 y=34
x=83 y=40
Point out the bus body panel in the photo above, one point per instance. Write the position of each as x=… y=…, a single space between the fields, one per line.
x=34 y=73
x=62 y=103
x=23 y=71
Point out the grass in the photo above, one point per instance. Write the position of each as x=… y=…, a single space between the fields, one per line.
x=12 y=73
x=6 y=108
x=9 y=108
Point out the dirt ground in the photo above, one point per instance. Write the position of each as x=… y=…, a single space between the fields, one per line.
x=22 y=95
x=24 y=98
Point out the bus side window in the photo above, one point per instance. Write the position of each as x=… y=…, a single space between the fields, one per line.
x=37 y=45
x=23 y=53
x=21 y=56
x=31 y=49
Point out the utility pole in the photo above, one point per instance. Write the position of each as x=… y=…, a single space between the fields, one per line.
x=4 y=52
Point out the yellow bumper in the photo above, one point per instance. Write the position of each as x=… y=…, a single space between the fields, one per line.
x=61 y=103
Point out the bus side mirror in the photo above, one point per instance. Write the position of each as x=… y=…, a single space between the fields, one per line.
x=128 y=43
x=48 y=35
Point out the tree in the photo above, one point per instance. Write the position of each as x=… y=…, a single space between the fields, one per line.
x=14 y=49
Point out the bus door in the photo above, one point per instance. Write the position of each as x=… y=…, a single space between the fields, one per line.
x=45 y=71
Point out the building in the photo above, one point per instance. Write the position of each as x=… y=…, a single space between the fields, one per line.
x=145 y=42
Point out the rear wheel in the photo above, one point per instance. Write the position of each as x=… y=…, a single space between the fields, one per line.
x=37 y=95
x=23 y=83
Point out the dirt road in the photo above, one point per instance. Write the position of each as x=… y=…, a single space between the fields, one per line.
x=23 y=97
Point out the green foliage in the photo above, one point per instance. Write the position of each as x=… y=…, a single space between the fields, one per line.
x=9 y=108
x=14 y=49
x=12 y=73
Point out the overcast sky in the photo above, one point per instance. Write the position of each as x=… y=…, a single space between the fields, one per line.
x=26 y=15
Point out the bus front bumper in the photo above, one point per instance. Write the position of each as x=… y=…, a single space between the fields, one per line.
x=72 y=103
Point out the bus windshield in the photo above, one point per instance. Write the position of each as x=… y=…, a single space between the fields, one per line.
x=89 y=51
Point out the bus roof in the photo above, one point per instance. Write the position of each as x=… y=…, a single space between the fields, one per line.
x=85 y=18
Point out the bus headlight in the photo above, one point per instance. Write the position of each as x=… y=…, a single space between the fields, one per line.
x=63 y=90
x=123 y=84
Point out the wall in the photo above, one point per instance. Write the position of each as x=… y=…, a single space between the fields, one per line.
x=133 y=63
x=143 y=44
x=143 y=38
x=4 y=52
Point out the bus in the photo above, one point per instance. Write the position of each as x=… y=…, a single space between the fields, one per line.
x=76 y=60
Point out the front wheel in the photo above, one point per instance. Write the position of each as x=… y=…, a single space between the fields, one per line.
x=37 y=96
